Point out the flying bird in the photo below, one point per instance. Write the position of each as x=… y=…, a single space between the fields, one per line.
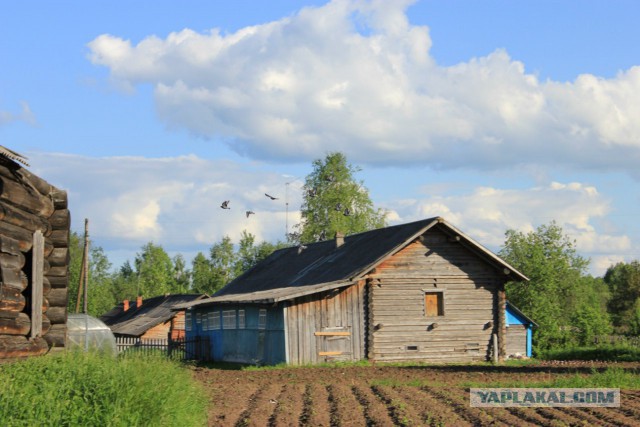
x=225 y=205
x=347 y=212
x=271 y=197
x=250 y=213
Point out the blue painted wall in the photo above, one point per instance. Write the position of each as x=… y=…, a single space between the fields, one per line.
x=253 y=343
x=512 y=318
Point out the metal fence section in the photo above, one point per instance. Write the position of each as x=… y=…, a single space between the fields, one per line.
x=197 y=348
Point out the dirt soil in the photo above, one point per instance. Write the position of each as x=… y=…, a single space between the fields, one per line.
x=394 y=396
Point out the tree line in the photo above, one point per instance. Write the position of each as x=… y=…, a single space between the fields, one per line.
x=570 y=306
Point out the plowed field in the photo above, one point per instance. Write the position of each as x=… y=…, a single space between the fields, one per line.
x=392 y=396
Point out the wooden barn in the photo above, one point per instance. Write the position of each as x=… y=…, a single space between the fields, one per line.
x=519 y=332
x=422 y=291
x=34 y=261
x=152 y=318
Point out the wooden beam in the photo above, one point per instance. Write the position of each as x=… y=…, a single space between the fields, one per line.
x=329 y=353
x=36 y=284
x=332 y=334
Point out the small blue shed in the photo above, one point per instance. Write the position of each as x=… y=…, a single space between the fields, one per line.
x=519 y=332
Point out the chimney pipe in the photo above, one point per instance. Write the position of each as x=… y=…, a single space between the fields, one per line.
x=339 y=239
x=139 y=302
x=125 y=304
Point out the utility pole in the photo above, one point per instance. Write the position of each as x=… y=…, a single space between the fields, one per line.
x=84 y=272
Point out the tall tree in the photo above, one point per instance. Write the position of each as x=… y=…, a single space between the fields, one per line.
x=181 y=275
x=100 y=287
x=223 y=260
x=154 y=271
x=202 y=277
x=623 y=280
x=333 y=201
x=558 y=296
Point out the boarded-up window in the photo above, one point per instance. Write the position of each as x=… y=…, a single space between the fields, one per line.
x=434 y=303
x=229 y=319
x=262 y=319
x=240 y=319
x=214 y=320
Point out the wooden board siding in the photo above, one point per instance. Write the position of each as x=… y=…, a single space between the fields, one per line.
x=516 y=340
x=399 y=328
x=327 y=326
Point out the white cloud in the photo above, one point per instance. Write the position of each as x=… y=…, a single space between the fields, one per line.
x=486 y=213
x=171 y=201
x=25 y=115
x=356 y=76
x=176 y=202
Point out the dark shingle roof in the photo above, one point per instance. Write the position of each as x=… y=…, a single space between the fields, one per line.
x=153 y=311
x=293 y=271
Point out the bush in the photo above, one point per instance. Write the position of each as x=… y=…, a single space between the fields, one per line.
x=78 y=388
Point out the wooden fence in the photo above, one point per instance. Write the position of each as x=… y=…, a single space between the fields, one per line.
x=197 y=348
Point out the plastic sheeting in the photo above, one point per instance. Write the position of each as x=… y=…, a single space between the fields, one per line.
x=88 y=333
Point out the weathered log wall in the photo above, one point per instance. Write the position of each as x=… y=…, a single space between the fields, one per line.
x=28 y=204
x=400 y=327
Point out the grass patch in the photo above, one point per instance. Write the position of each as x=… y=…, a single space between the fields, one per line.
x=76 y=388
x=614 y=353
x=612 y=377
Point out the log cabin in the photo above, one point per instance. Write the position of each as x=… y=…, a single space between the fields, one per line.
x=422 y=291
x=34 y=261
x=152 y=318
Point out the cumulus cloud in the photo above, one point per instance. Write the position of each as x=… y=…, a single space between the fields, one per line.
x=486 y=213
x=357 y=76
x=176 y=202
x=172 y=201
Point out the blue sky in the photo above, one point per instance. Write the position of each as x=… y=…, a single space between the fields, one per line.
x=493 y=114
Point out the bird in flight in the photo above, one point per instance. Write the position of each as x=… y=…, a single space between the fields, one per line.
x=225 y=205
x=271 y=197
x=250 y=213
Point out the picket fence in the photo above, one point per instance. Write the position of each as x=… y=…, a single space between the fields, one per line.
x=197 y=348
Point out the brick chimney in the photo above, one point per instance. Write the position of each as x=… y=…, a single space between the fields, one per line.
x=339 y=239
x=125 y=305
x=139 y=302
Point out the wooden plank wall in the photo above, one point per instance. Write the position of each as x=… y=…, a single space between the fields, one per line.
x=327 y=326
x=398 y=326
x=29 y=204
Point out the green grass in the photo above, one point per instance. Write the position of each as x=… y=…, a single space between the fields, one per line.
x=612 y=377
x=608 y=352
x=74 y=388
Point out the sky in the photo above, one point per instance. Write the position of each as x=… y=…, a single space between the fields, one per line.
x=495 y=115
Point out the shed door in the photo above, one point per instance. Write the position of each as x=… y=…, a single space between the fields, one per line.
x=335 y=343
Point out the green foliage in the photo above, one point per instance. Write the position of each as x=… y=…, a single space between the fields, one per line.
x=154 y=271
x=335 y=202
x=604 y=352
x=225 y=262
x=623 y=281
x=100 y=296
x=568 y=306
x=74 y=389
x=611 y=377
